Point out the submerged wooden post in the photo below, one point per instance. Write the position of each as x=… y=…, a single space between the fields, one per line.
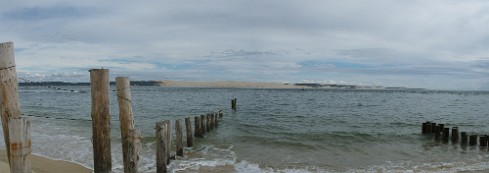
x=9 y=106
x=203 y=124
x=233 y=103
x=473 y=140
x=446 y=133
x=129 y=136
x=428 y=128
x=454 y=134
x=20 y=145
x=198 y=131
x=188 y=125
x=161 y=148
x=423 y=128
x=221 y=114
x=216 y=119
x=483 y=141
x=179 y=137
x=99 y=82
x=208 y=121
x=464 y=138
x=211 y=115
x=437 y=132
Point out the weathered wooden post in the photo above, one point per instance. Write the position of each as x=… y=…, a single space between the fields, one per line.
x=473 y=140
x=233 y=103
x=483 y=141
x=168 y=142
x=129 y=136
x=221 y=114
x=446 y=133
x=197 y=129
x=211 y=115
x=99 y=81
x=454 y=134
x=9 y=106
x=20 y=145
x=428 y=128
x=203 y=124
x=423 y=128
x=208 y=121
x=161 y=147
x=437 y=132
x=464 y=138
x=216 y=119
x=441 y=126
x=188 y=126
x=179 y=137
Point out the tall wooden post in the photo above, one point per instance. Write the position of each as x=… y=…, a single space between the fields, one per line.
x=188 y=125
x=20 y=145
x=208 y=121
x=161 y=147
x=198 y=131
x=9 y=106
x=99 y=81
x=179 y=137
x=129 y=136
x=203 y=124
x=168 y=142
x=216 y=119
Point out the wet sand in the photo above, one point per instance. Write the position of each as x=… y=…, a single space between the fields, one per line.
x=42 y=164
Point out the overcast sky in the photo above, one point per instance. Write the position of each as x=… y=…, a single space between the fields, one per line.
x=431 y=44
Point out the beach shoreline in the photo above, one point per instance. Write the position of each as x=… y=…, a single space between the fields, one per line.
x=229 y=84
x=42 y=164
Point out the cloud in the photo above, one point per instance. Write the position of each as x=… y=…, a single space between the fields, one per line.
x=383 y=42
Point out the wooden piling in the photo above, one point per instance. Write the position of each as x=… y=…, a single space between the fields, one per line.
x=9 y=106
x=482 y=141
x=437 y=131
x=423 y=128
x=428 y=128
x=208 y=121
x=473 y=140
x=433 y=127
x=168 y=142
x=203 y=124
x=441 y=126
x=446 y=132
x=454 y=134
x=161 y=147
x=188 y=126
x=198 y=127
x=221 y=114
x=20 y=145
x=99 y=82
x=216 y=119
x=179 y=137
x=129 y=135
x=464 y=138
x=233 y=103
x=212 y=122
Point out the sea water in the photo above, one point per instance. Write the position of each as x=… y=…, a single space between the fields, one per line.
x=273 y=130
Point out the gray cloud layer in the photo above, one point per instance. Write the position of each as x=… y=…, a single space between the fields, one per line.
x=434 y=44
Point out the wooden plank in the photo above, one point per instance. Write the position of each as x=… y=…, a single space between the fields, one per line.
x=20 y=145
x=179 y=137
x=99 y=82
x=129 y=136
x=9 y=106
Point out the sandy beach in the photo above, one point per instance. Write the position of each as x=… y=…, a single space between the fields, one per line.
x=45 y=165
x=227 y=84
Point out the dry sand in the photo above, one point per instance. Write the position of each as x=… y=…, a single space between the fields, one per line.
x=227 y=84
x=45 y=165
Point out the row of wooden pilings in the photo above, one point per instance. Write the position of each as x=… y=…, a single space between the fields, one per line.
x=440 y=131
x=16 y=128
x=203 y=124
